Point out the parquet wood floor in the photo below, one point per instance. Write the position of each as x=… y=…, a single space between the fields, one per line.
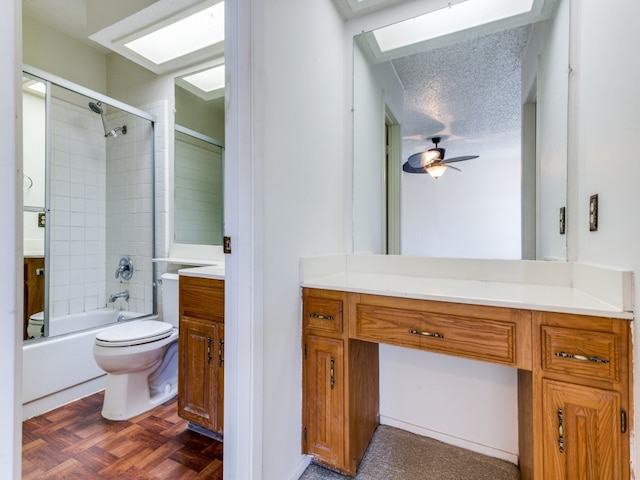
x=75 y=442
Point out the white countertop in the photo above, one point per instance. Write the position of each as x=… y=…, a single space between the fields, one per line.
x=215 y=272
x=527 y=289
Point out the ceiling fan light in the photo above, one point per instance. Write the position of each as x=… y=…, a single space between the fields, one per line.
x=436 y=170
x=432 y=154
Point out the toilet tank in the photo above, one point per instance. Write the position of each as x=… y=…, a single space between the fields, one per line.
x=170 y=298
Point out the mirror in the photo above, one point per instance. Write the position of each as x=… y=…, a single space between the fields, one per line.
x=500 y=95
x=198 y=189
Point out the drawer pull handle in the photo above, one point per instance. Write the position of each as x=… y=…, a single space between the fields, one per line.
x=332 y=375
x=320 y=316
x=583 y=358
x=426 y=334
x=560 y=430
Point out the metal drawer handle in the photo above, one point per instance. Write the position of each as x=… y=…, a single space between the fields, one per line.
x=560 y=430
x=426 y=334
x=321 y=317
x=583 y=358
x=332 y=374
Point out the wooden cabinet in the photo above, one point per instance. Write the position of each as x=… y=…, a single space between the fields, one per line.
x=497 y=335
x=573 y=376
x=340 y=384
x=580 y=401
x=201 y=352
x=581 y=432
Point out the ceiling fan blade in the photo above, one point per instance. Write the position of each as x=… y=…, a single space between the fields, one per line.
x=459 y=159
x=451 y=166
x=409 y=169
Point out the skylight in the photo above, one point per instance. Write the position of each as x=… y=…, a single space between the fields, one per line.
x=454 y=18
x=207 y=80
x=192 y=33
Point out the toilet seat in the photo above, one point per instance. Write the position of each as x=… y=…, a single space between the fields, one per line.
x=136 y=332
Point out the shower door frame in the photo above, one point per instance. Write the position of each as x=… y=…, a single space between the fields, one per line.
x=51 y=79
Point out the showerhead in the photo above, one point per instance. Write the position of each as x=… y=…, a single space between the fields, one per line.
x=96 y=107
x=114 y=132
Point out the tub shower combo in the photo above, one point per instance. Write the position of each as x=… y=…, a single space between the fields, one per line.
x=88 y=211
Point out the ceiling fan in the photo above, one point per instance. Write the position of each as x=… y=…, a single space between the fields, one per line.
x=432 y=161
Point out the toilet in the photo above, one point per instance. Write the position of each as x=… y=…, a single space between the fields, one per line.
x=141 y=359
x=35 y=327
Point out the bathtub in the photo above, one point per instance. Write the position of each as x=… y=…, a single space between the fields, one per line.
x=59 y=369
x=80 y=321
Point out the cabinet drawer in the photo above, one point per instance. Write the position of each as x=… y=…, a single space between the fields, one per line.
x=323 y=314
x=202 y=297
x=584 y=353
x=477 y=338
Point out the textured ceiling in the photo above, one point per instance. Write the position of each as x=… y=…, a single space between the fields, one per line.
x=468 y=93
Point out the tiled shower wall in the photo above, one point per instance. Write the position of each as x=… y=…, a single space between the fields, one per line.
x=101 y=210
x=77 y=219
x=198 y=193
x=129 y=219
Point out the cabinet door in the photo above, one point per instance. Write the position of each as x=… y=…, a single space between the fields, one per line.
x=200 y=382
x=323 y=400
x=581 y=432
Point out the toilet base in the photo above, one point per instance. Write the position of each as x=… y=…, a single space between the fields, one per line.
x=128 y=395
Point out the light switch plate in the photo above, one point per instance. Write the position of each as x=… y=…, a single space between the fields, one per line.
x=593 y=213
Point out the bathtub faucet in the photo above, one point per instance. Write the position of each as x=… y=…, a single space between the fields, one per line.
x=115 y=296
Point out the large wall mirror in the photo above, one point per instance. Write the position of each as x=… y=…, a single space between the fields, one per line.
x=198 y=181
x=498 y=92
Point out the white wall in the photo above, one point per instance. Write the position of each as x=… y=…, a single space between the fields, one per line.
x=298 y=174
x=60 y=55
x=11 y=240
x=605 y=142
x=547 y=60
x=378 y=88
x=34 y=185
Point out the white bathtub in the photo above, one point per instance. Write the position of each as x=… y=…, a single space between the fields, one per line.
x=61 y=368
x=81 y=321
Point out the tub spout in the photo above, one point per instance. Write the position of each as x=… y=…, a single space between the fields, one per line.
x=124 y=295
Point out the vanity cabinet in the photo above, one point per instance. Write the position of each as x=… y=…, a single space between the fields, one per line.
x=573 y=376
x=340 y=391
x=201 y=352
x=581 y=388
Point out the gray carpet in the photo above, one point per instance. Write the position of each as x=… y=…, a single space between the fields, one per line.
x=395 y=454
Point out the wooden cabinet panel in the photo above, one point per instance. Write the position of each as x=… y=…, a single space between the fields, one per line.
x=486 y=335
x=201 y=383
x=201 y=352
x=341 y=390
x=202 y=297
x=323 y=393
x=581 y=432
x=323 y=311
x=585 y=353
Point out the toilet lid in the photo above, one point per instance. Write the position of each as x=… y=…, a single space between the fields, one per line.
x=134 y=332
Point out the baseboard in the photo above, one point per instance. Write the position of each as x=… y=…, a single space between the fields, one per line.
x=305 y=460
x=57 y=399
x=451 y=440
